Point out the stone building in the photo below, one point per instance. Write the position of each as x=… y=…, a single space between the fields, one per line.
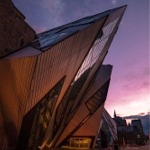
x=15 y=33
x=131 y=133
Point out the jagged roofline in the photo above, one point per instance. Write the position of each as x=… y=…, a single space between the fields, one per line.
x=105 y=12
x=50 y=37
x=56 y=32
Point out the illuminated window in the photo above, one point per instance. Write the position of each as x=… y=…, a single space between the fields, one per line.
x=78 y=142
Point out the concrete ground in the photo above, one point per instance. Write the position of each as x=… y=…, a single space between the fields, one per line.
x=145 y=147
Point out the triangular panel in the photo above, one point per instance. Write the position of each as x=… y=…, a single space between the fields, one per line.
x=36 y=121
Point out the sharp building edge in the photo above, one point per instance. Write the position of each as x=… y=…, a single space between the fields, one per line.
x=53 y=85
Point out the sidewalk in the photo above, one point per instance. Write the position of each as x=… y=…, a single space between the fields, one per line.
x=145 y=147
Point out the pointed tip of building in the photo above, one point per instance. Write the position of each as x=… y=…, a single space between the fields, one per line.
x=115 y=114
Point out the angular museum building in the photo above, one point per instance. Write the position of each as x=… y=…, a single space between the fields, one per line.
x=108 y=135
x=53 y=85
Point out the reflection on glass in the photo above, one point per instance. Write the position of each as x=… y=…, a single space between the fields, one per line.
x=95 y=51
x=43 y=113
x=64 y=109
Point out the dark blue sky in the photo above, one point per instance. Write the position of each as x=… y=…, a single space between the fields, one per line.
x=129 y=52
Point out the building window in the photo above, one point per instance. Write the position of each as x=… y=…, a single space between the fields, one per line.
x=78 y=142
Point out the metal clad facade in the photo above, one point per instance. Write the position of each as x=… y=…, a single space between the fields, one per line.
x=102 y=77
x=14 y=90
x=79 y=50
x=28 y=83
x=62 y=59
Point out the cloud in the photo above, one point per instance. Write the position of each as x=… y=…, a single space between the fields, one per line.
x=145 y=84
x=146 y=71
x=114 y=2
x=40 y=29
x=133 y=105
x=137 y=77
x=130 y=94
x=50 y=12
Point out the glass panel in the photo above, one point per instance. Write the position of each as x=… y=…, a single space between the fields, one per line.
x=98 y=98
x=95 y=51
x=43 y=113
x=107 y=30
x=81 y=77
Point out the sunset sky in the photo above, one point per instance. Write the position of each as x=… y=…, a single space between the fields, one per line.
x=129 y=53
